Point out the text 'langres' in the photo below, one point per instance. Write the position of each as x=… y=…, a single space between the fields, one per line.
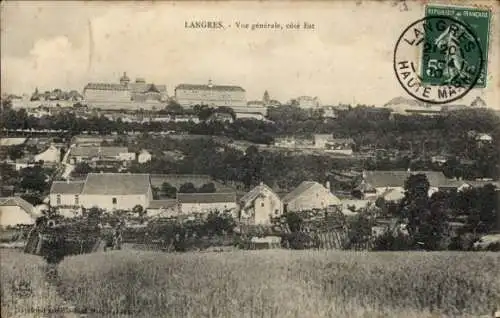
x=203 y=25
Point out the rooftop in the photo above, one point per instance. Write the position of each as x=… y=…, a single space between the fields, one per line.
x=162 y=204
x=210 y=87
x=398 y=178
x=116 y=184
x=303 y=187
x=96 y=151
x=20 y=202
x=206 y=197
x=254 y=193
x=67 y=187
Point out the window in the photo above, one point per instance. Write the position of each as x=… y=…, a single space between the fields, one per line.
x=114 y=200
x=58 y=199
x=276 y=212
x=77 y=199
x=262 y=204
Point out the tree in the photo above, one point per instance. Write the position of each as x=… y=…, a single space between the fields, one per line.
x=207 y=188
x=427 y=223
x=226 y=110
x=360 y=230
x=203 y=112
x=252 y=166
x=174 y=108
x=168 y=190
x=219 y=223
x=140 y=211
x=93 y=216
x=82 y=168
x=15 y=152
x=33 y=179
x=187 y=188
x=294 y=221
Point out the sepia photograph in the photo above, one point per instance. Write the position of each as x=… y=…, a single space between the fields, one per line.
x=245 y=159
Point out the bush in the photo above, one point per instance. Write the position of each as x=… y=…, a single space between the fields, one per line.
x=299 y=241
x=389 y=241
x=493 y=247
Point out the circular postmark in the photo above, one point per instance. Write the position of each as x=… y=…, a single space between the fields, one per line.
x=438 y=59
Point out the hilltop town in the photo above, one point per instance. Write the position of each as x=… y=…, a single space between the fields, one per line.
x=131 y=147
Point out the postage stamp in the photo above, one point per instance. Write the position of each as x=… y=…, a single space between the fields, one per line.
x=445 y=50
x=477 y=19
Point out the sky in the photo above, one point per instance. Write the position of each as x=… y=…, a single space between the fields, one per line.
x=347 y=58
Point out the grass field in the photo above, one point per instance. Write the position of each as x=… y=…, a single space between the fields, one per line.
x=273 y=283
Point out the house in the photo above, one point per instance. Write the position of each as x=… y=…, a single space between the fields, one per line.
x=207 y=202
x=12 y=141
x=309 y=195
x=221 y=117
x=484 y=138
x=66 y=197
x=340 y=145
x=396 y=194
x=82 y=154
x=27 y=162
x=162 y=208
x=91 y=140
x=173 y=155
x=376 y=183
x=353 y=206
x=189 y=95
x=116 y=191
x=260 y=204
x=51 y=154
x=249 y=115
x=285 y=141
x=439 y=159
x=15 y=211
x=462 y=185
x=144 y=156
x=320 y=140
x=308 y=102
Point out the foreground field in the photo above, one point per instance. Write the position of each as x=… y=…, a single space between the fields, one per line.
x=275 y=283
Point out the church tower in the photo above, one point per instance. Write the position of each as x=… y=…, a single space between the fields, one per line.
x=124 y=80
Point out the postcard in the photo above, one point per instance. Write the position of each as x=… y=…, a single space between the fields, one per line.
x=250 y=158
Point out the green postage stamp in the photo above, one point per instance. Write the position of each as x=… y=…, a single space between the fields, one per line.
x=435 y=64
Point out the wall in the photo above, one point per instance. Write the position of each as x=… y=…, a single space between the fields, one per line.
x=124 y=202
x=12 y=215
x=191 y=97
x=50 y=155
x=126 y=156
x=249 y=115
x=162 y=212
x=92 y=95
x=271 y=205
x=144 y=157
x=66 y=199
x=340 y=151
x=188 y=208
